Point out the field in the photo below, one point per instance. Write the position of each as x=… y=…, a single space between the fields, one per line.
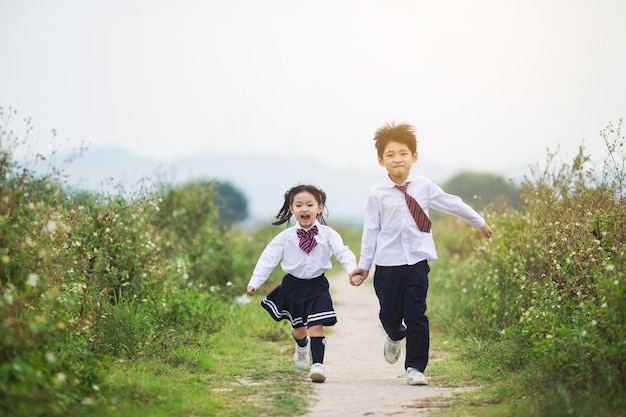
x=122 y=304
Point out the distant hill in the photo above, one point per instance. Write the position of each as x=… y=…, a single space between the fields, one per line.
x=262 y=179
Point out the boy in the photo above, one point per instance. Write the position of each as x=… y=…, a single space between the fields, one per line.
x=397 y=239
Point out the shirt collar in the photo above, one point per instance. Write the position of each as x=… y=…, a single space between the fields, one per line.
x=315 y=223
x=389 y=182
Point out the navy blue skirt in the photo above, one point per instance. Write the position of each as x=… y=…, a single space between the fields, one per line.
x=304 y=302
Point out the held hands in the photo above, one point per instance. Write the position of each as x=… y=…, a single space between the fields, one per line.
x=358 y=276
x=250 y=290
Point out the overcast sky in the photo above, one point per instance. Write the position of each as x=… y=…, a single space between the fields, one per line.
x=487 y=84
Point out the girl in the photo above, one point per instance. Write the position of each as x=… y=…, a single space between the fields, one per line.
x=303 y=297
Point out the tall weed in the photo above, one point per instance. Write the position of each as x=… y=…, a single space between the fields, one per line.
x=550 y=284
x=88 y=278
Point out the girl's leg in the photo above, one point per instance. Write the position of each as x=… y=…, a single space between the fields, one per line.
x=299 y=333
x=318 y=343
x=301 y=353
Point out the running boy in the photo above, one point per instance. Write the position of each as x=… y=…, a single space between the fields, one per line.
x=303 y=297
x=398 y=241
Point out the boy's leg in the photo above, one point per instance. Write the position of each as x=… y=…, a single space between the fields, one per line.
x=388 y=286
x=414 y=307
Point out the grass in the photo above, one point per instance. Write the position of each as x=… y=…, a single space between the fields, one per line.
x=502 y=384
x=244 y=369
x=491 y=390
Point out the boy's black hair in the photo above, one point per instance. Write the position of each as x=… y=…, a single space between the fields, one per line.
x=395 y=132
x=284 y=214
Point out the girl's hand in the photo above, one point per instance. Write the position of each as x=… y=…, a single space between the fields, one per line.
x=356 y=280
x=486 y=231
x=250 y=290
x=358 y=276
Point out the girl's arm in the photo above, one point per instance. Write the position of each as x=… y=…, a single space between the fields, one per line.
x=270 y=257
x=342 y=252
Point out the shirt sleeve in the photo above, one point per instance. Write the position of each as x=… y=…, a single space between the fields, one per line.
x=371 y=229
x=454 y=205
x=342 y=252
x=269 y=259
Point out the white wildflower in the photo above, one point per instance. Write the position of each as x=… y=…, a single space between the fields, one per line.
x=32 y=280
x=60 y=378
x=51 y=226
x=50 y=358
x=8 y=297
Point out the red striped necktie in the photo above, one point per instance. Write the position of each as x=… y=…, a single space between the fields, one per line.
x=307 y=239
x=421 y=218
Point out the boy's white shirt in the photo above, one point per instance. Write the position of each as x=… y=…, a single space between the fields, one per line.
x=390 y=235
x=285 y=247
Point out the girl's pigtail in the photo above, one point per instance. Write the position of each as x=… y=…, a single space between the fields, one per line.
x=284 y=214
x=321 y=200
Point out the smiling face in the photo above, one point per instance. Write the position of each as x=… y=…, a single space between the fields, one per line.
x=397 y=159
x=306 y=208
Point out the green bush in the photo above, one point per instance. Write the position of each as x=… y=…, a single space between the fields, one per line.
x=546 y=294
x=189 y=217
x=88 y=278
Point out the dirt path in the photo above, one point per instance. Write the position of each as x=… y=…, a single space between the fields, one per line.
x=359 y=381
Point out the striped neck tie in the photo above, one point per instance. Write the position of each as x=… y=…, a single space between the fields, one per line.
x=421 y=218
x=307 y=239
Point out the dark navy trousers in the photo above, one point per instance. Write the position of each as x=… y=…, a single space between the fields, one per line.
x=402 y=291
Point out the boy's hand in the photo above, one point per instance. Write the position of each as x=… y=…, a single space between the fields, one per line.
x=358 y=276
x=356 y=280
x=250 y=290
x=486 y=231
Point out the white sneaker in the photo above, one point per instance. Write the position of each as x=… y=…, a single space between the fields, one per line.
x=415 y=377
x=318 y=373
x=392 y=350
x=301 y=356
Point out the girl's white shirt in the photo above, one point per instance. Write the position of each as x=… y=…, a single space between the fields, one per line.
x=285 y=247
x=390 y=235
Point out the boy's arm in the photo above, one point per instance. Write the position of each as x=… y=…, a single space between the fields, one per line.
x=371 y=229
x=453 y=205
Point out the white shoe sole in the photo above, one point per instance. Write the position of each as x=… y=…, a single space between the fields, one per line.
x=392 y=359
x=419 y=382
x=318 y=373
